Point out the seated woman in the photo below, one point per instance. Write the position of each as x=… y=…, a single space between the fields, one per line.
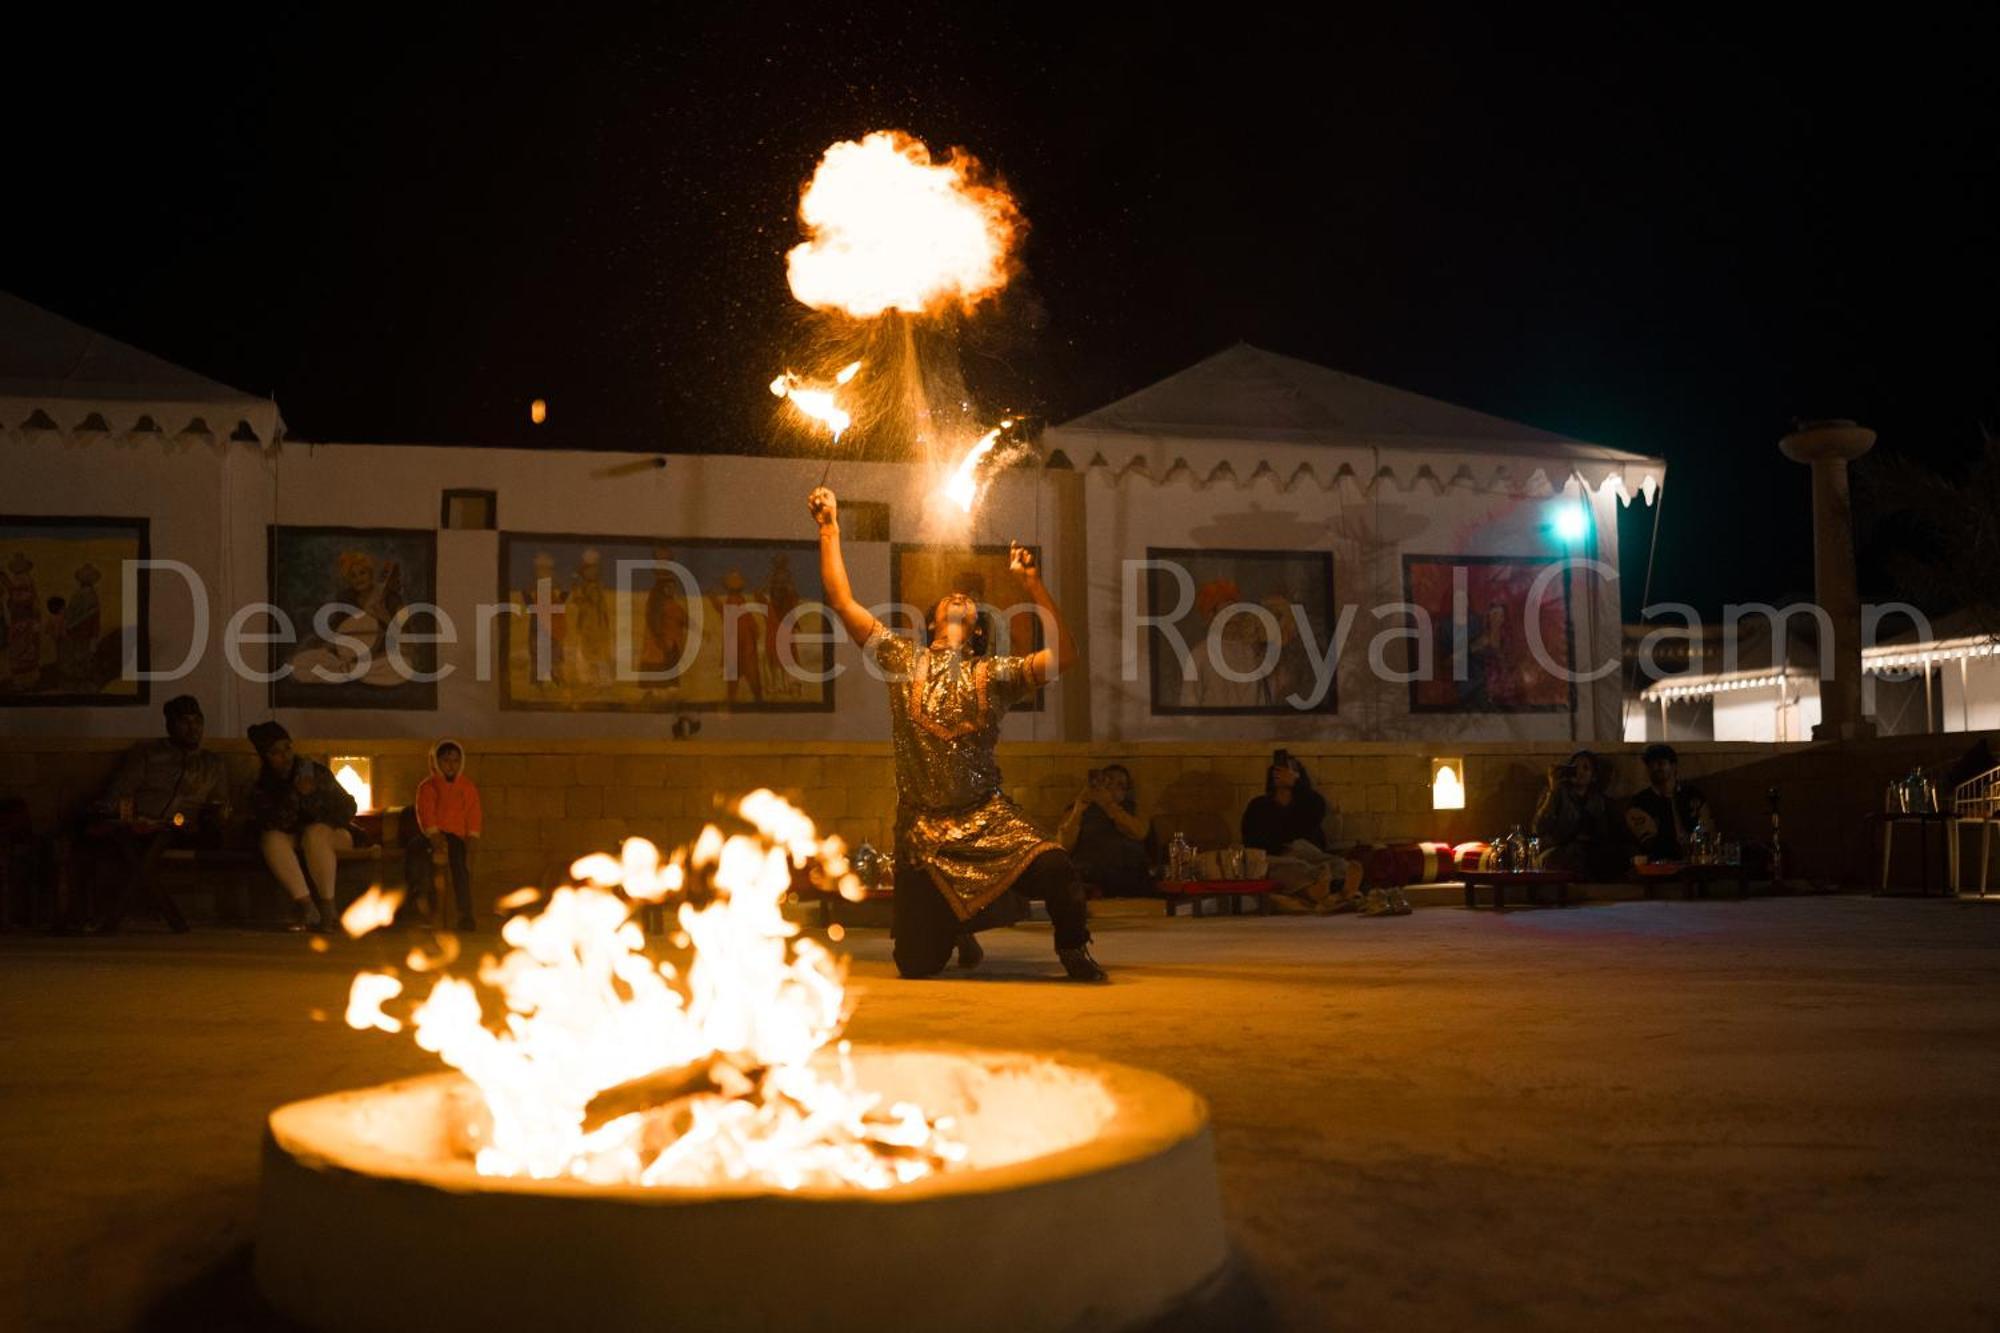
x=301 y=812
x=1103 y=834
x=1574 y=822
x=1289 y=823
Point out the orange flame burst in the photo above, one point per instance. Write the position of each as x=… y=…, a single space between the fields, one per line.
x=819 y=402
x=889 y=229
x=962 y=487
x=588 y=1012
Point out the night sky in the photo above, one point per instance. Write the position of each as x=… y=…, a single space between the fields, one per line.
x=1650 y=233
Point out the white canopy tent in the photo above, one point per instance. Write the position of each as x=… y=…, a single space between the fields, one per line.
x=59 y=379
x=1249 y=450
x=1246 y=414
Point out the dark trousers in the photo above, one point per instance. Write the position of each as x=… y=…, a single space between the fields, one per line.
x=417 y=871
x=138 y=855
x=927 y=930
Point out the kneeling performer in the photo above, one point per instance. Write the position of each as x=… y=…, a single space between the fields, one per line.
x=961 y=845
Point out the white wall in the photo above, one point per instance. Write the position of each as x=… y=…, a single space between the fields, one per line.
x=1975 y=705
x=210 y=508
x=208 y=505
x=1369 y=531
x=603 y=495
x=1760 y=715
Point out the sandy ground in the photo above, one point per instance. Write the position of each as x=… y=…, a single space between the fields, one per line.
x=1762 y=1114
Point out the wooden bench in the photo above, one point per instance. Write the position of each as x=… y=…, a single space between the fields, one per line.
x=235 y=876
x=223 y=871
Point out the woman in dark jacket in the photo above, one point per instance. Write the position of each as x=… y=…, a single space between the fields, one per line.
x=1289 y=822
x=301 y=813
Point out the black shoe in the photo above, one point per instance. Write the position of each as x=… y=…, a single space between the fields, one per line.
x=970 y=952
x=301 y=915
x=329 y=916
x=1080 y=965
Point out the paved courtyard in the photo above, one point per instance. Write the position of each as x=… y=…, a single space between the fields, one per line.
x=1668 y=1114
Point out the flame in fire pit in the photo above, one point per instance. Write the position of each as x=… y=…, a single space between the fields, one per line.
x=609 y=1066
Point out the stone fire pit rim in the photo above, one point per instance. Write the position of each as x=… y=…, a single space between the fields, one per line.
x=1173 y=1112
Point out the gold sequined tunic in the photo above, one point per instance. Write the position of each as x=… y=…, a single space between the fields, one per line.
x=951 y=816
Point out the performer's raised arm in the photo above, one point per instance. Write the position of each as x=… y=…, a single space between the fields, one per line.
x=1048 y=663
x=833 y=567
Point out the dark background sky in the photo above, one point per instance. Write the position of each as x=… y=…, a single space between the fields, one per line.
x=1652 y=233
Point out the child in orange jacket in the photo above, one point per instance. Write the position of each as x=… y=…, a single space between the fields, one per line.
x=447 y=808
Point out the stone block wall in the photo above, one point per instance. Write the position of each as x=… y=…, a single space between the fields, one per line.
x=549 y=802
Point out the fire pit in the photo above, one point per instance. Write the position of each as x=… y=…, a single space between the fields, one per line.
x=1087 y=1197
x=685 y=1140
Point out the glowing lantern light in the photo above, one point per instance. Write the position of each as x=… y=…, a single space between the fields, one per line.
x=1447 y=784
x=1571 y=522
x=538 y=411
x=817 y=402
x=356 y=777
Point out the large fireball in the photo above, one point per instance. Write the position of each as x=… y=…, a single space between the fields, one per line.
x=889 y=229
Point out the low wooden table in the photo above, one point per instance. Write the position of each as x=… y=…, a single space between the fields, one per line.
x=1694 y=879
x=1195 y=892
x=1532 y=881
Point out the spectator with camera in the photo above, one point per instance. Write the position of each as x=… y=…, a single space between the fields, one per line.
x=1102 y=831
x=1573 y=819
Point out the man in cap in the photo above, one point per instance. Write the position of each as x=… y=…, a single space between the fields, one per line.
x=164 y=794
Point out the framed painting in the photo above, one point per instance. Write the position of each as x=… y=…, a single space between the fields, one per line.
x=72 y=637
x=1237 y=624
x=662 y=625
x=342 y=590
x=920 y=575
x=1483 y=660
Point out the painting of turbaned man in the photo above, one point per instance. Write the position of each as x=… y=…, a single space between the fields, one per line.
x=72 y=637
x=349 y=594
x=633 y=624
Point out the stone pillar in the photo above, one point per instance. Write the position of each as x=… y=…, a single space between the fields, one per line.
x=1072 y=583
x=1828 y=446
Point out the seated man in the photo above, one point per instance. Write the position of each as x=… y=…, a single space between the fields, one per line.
x=166 y=793
x=1662 y=817
x=1573 y=820
x=1104 y=835
x=1289 y=823
x=300 y=812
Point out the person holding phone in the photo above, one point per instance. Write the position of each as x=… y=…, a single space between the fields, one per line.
x=1573 y=818
x=1105 y=836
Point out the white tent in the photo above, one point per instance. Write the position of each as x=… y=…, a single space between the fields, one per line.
x=1246 y=414
x=59 y=379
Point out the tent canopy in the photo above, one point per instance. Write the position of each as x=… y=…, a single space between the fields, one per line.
x=1246 y=411
x=60 y=378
